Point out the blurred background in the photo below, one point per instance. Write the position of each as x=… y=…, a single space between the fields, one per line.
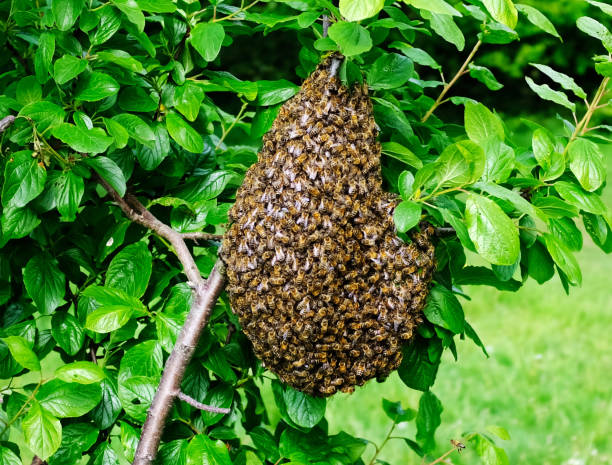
x=548 y=380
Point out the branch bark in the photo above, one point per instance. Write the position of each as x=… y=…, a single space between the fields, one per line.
x=206 y=293
x=6 y=122
x=202 y=236
x=200 y=406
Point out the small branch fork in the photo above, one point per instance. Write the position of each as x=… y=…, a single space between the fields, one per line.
x=206 y=293
x=448 y=86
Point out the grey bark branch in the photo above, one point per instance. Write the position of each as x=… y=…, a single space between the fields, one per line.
x=6 y=122
x=325 y=25
x=196 y=236
x=199 y=405
x=205 y=295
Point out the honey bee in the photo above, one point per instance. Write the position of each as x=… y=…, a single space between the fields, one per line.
x=457 y=445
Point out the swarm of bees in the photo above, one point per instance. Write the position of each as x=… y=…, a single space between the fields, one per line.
x=323 y=287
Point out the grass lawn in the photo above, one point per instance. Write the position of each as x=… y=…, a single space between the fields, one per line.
x=548 y=380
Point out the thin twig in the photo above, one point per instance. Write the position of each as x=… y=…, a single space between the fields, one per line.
x=325 y=25
x=448 y=86
x=445 y=232
x=199 y=405
x=6 y=122
x=202 y=236
x=206 y=293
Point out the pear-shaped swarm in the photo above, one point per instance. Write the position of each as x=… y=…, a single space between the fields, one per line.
x=322 y=285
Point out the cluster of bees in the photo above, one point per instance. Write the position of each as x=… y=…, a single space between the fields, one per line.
x=323 y=287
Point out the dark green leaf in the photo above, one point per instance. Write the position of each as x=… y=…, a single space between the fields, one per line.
x=406 y=215
x=44 y=281
x=115 y=308
x=273 y=92
x=390 y=71
x=67 y=332
x=304 y=410
x=130 y=270
x=67 y=68
x=96 y=86
x=352 y=38
x=24 y=179
x=66 y=13
x=109 y=171
x=536 y=18
x=443 y=309
x=183 y=134
x=428 y=419
x=45 y=114
x=83 y=140
x=68 y=190
x=396 y=412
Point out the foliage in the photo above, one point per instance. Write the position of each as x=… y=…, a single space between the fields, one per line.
x=135 y=94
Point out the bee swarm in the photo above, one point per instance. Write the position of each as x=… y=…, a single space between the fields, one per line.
x=323 y=287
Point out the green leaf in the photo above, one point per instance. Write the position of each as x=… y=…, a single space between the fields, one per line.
x=188 y=99
x=45 y=114
x=417 y=55
x=183 y=134
x=207 y=39
x=540 y=265
x=543 y=147
x=109 y=171
x=44 y=281
x=443 y=309
x=521 y=204
x=564 y=80
x=535 y=17
x=273 y=92
x=460 y=164
x=494 y=234
x=500 y=161
x=390 y=71
x=150 y=157
x=68 y=400
x=396 y=412
x=137 y=128
x=503 y=11
x=67 y=68
x=401 y=153
x=115 y=309
x=554 y=207
x=484 y=75
x=67 y=332
x=96 y=86
x=24 y=179
x=8 y=457
x=445 y=27
x=110 y=21
x=567 y=232
x=66 y=12
x=80 y=372
x=586 y=201
x=489 y=453
x=304 y=410
x=405 y=184
x=18 y=222
x=28 y=90
x=417 y=370
x=42 y=431
x=352 y=38
x=105 y=455
x=435 y=6
x=406 y=215
x=595 y=29
x=130 y=270
x=356 y=10
x=586 y=162
x=157 y=6
x=22 y=352
x=481 y=124
x=131 y=10
x=68 y=190
x=117 y=131
x=83 y=140
x=564 y=258
x=202 y=449
x=44 y=56
x=428 y=419
x=123 y=59
x=545 y=92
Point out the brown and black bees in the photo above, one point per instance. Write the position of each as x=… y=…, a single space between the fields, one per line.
x=322 y=285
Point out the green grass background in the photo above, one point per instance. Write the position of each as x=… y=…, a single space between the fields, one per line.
x=548 y=380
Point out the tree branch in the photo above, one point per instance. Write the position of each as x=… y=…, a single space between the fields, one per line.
x=38 y=461
x=445 y=232
x=202 y=236
x=6 y=122
x=325 y=25
x=206 y=293
x=199 y=405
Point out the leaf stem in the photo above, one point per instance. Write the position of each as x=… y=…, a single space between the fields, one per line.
x=23 y=407
x=384 y=443
x=231 y=126
x=240 y=10
x=583 y=126
x=448 y=86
